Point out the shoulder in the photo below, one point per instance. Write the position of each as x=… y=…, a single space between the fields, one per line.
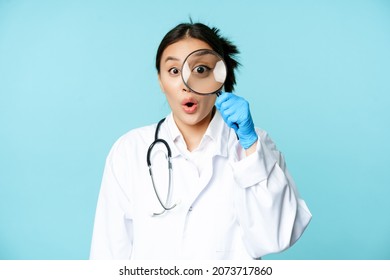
x=141 y=134
x=135 y=140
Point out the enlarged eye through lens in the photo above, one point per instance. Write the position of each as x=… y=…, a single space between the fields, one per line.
x=204 y=72
x=202 y=69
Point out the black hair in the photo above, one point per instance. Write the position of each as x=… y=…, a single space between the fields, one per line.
x=211 y=36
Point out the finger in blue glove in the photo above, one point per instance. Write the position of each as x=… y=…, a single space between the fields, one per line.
x=236 y=114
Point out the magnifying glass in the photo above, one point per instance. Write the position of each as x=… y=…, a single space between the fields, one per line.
x=204 y=72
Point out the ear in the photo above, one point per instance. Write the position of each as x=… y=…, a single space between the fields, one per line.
x=161 y=84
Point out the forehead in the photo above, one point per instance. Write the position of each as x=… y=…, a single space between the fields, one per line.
x=182 y=48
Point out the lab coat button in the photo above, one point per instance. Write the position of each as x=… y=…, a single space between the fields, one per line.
x=190 y=209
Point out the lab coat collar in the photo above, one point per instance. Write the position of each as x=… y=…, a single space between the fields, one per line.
x=217 y=131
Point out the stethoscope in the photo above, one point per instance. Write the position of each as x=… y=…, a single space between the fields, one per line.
x=157 y=140
x=204 y=73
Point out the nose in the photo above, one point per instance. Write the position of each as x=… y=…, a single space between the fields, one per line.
x=186 y=88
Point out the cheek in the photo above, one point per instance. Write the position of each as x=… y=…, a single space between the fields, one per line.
x=170 y=84
x=209 y=103
x=212 y=100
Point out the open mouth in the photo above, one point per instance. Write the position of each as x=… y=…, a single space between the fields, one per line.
x=190 y=105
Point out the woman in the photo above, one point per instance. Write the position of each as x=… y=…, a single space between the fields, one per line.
x=230 y=197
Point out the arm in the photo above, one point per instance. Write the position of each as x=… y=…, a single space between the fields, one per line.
x=271 y=214
x=112 y=234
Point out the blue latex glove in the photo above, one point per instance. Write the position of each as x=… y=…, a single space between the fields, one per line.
x=235 y=112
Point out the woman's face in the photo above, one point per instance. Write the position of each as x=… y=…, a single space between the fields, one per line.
x=188 y=108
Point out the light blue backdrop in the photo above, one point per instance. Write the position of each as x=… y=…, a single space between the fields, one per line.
x=75 y=75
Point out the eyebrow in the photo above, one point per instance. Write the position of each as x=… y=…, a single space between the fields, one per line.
x=204 y=52
x=171 y=58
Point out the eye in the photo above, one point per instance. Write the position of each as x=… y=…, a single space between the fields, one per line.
x=174 y=71
x=201 y=70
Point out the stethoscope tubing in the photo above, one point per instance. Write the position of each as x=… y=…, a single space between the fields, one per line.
x=169 y=155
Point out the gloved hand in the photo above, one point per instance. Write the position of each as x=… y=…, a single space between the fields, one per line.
x=235 y=112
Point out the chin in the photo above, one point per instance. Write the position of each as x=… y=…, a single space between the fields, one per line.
x=196 y=120
x=191 y=119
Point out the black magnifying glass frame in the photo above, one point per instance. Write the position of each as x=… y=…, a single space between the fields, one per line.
x=202 y=52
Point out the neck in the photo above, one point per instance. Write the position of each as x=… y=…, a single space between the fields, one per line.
x=193 y=133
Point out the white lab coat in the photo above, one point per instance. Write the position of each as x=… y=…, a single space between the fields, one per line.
x=231 y=207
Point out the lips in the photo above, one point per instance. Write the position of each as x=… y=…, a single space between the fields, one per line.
x=189 y=105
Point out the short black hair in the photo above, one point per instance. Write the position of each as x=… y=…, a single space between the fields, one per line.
x=211 y=36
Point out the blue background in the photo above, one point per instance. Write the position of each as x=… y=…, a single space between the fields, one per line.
x=76 y=75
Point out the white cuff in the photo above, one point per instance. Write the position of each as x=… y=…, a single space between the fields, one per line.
x=254 y=168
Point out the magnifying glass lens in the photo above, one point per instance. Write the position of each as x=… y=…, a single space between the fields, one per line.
x=204 y=72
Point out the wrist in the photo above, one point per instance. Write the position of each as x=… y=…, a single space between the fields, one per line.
x=248 y=140
x=251 y=149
